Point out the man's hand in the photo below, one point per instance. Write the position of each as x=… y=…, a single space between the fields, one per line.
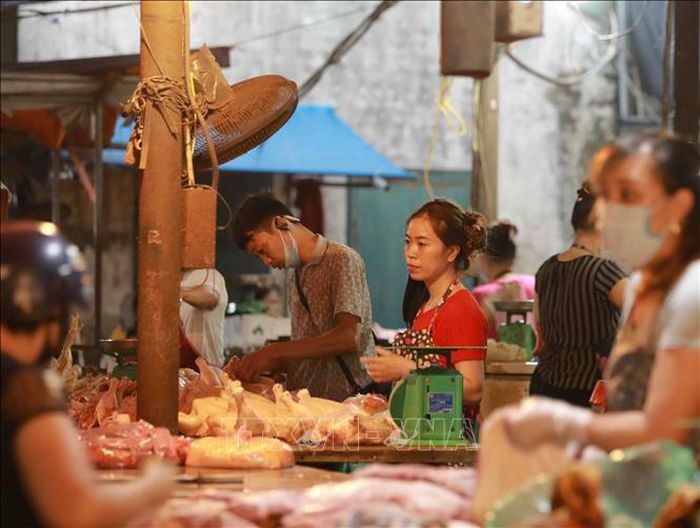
x=253 y=364
x=387 y=366
x=539 y=420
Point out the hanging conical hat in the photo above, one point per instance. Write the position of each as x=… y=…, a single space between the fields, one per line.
x=256 y=109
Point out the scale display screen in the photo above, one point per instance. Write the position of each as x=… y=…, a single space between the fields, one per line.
x=440 y=402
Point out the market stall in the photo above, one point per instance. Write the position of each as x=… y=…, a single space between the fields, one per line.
x=245 y=449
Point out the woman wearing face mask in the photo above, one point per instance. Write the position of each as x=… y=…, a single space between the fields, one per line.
x=495 y=268
x=651 y=188
x=439 y=311
x=578 y=296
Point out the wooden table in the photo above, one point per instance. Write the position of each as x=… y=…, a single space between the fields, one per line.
x=388 y=454
x=198 y=479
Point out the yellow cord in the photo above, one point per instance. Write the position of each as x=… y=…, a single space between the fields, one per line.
x=454 y=122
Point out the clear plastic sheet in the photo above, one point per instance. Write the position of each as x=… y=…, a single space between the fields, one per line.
x=636 y=484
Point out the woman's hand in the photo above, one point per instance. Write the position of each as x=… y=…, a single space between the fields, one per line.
x=387 y=366
x=539 y=420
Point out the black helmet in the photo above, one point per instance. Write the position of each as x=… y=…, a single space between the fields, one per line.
x=41 y=274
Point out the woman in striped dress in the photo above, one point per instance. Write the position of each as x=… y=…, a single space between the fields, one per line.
x=577 y=308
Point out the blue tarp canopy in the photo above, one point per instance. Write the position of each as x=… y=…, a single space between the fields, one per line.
x=314 y=141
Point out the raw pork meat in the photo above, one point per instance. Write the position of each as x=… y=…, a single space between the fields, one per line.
x=459 y=480
x=327 y=504
x=120 y=398
x=84 y=400
x=240 y=453
x=222 y=509
x=117 y=446
x=193 y=512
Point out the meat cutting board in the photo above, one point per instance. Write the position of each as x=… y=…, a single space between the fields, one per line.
x=465 y=455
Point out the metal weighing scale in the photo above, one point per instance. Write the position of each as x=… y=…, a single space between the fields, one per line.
x=428 y=405
x=517 y=332
x=123 y=350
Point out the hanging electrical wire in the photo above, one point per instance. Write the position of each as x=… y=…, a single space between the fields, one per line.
x=610 y=36
x=443 y=109
x=668 y=43
x=238 y=44
x=30 y=12
x=345 y=45
x=567 y=81
x=478 y=152
x=297 y=27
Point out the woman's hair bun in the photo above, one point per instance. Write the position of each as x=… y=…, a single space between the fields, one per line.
x=500 y=243
x=585 y=192
x=583 y=206
x=475 y=230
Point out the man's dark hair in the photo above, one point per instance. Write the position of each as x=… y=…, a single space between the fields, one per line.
x=256 y=213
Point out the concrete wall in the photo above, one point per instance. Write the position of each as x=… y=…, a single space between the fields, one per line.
x=548 y=133
x=385 y=88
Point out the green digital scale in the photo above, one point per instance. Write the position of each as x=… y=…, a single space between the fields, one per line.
x=517 y=332
x=428 y=404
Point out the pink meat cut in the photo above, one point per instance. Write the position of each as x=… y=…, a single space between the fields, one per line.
x=326 y=504
x=196 y=512
x=125 y=446
x=458 y=480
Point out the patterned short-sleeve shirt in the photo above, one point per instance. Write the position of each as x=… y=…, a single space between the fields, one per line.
x=334 y=281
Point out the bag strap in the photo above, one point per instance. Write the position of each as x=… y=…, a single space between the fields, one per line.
x=341 y=362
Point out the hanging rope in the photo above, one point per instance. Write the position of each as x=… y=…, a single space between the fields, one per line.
x=169 y=98
x=444 y=109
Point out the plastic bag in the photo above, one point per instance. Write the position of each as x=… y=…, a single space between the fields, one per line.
x=636 y=484
x=209 y=79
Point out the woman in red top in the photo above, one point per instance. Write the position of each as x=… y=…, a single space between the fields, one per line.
x=439 y=311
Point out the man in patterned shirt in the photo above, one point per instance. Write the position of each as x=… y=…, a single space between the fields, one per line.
x=328 y=297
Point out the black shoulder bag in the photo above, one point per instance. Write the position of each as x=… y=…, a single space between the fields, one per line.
x=373 y=387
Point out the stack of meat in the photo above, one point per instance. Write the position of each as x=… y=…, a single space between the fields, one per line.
x=99 y=400
x=126 y=445
x=93 y=399
x=379 y=495
x=212 y=404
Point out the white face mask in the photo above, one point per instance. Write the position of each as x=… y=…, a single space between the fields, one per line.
x=291 y=251
x=627 y=235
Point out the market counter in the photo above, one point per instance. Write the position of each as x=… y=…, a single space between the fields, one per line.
x=465 y=455
x=197 y=479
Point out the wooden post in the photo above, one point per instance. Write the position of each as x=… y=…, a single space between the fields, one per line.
x=98 y=219
x=686 y=70
x=160 y=222
x=484 y=192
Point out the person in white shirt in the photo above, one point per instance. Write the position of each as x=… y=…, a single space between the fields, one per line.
x=204 y=300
